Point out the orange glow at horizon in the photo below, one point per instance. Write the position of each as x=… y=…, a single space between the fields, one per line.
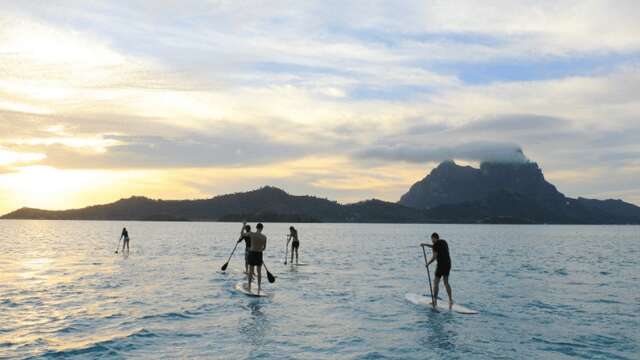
x=57 y=189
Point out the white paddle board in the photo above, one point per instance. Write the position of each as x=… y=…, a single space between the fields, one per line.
x=242 y=287
x=230 y=272
x=299 y=264
x=442 y=304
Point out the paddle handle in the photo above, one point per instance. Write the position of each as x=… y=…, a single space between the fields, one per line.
x=424 y=252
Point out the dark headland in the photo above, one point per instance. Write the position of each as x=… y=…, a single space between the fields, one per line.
x=507 y=193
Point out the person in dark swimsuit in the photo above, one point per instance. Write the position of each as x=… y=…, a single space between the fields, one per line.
x=125 y=239
x=244 y=236
x=295 y=244
x=441 y=255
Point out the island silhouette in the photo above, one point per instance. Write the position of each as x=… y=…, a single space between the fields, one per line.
x=508 y=193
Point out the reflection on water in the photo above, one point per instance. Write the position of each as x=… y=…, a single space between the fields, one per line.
x=254 y=326
x=437 y=332
x=33 y=270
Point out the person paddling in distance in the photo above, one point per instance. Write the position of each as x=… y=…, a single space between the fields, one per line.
x=258 y=244
x=125 y=239
x=441 y=255
x=295 y=244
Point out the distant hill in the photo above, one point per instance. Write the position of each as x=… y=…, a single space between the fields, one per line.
x=505 y=193
x=508 y=193
x=266 y=204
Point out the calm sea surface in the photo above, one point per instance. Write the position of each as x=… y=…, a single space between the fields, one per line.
x=543 y=292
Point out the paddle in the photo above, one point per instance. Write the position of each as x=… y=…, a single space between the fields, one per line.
x=118 y=246
x=286 y=251
x=424 y=252
x=270 y=276
x=224 y=267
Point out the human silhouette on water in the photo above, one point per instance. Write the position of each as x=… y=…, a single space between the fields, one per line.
x=125 y=239
x=244 y=236
x=258 y=245
x=441 y=255
x=293 y=235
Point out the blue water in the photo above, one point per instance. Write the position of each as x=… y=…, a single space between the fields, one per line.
x=543 y=292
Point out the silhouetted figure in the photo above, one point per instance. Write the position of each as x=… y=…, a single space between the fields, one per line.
x=125 y=239
x=441 y=255
x=295 y=244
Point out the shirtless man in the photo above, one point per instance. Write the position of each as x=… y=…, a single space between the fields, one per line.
x=258 y=244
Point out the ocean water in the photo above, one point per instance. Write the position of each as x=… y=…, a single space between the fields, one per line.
x=543 y=292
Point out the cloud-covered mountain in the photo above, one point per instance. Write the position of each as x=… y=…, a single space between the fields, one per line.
x=450 y=184
x=508 y=192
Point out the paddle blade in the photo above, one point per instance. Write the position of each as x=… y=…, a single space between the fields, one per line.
x=271 y=278
x=224 y=267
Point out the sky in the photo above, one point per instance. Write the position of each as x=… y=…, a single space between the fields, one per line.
x=101 y=100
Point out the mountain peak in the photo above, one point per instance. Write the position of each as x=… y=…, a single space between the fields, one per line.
x=505 y=164
x=134 y=199
x=447 y=163
x=270 y=191
x=269 y=188
x=450 y=183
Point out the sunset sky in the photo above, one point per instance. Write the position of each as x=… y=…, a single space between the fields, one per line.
x=189 y=99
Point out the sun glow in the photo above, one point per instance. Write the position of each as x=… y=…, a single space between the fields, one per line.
x=46 y=187
x=49 y=187
x=11 y=157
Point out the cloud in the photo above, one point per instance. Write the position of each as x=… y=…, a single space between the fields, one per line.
x=476 y=151
x=6 y=170
x=515 y=122
x=231 y=148
x=9 y=157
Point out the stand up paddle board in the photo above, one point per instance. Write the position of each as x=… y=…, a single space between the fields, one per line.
x=299 y=264
x=242 y=288
x=230 y=272
x=442 y=304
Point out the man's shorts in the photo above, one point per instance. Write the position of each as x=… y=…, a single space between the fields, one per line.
x=254 y=258
x=443 y=270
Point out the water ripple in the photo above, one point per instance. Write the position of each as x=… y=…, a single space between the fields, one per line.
x=542 y=291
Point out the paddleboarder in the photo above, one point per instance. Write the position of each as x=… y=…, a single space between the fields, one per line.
x=125 y=239
x=244 y=236
x=441 y=255
x=293 y=235
x=258 y=244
